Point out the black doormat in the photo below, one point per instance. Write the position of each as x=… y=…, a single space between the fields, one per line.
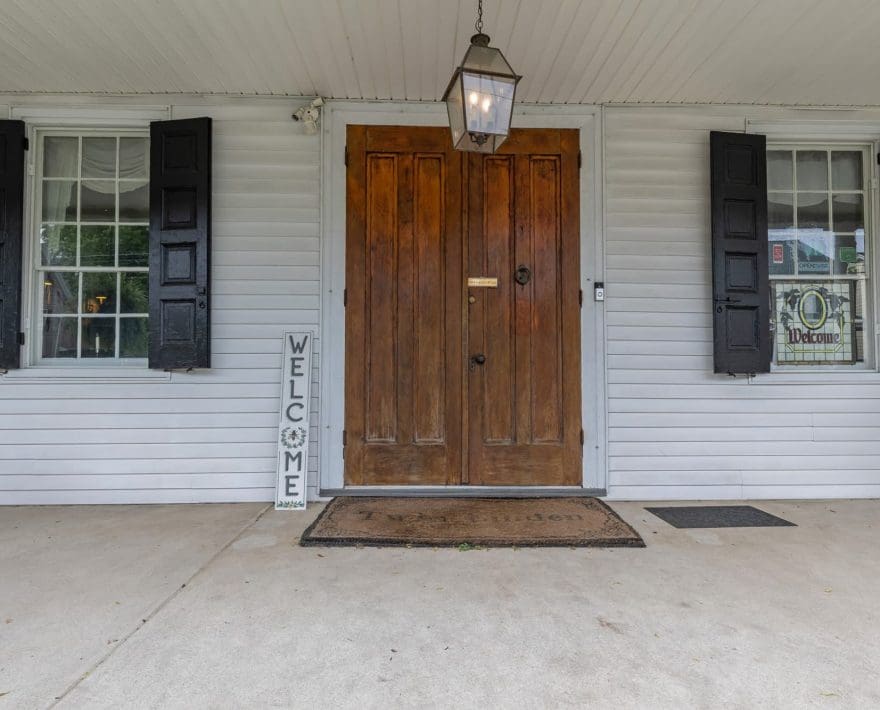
x=718 y=516
x=487 y=522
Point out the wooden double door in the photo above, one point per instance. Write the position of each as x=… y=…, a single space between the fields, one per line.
x=462 y=361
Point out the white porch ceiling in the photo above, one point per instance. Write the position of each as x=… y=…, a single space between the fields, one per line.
x=817 y=52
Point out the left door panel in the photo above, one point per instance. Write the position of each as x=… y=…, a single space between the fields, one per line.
x=404 y=356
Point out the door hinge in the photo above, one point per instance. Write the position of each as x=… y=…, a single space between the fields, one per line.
x=580 y=159
x=26 y=143
x=20 y=339
x=344 y=437
x=581 y=297
x=582 y=437
x=344 y=297
x=346 y=156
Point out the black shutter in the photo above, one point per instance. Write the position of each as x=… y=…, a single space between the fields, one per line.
x=740 y=277
x=11 y=203
x=180 y=243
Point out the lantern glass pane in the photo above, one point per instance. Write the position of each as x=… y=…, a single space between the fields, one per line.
x=488 y=103
x=455 y=109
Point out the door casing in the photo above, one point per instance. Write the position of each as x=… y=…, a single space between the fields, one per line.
x=337 y=115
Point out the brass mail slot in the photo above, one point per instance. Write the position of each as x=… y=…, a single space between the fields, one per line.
x=482 y=282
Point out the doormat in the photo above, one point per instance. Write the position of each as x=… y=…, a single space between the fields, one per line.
x=718 y=516
x=485 y=522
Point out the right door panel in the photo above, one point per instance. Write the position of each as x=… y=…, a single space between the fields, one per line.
x=523 y=410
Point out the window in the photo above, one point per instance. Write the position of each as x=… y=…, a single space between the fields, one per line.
x=91 y=218
x=818 y=212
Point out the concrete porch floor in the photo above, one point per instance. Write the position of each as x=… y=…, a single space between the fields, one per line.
x=216 y=606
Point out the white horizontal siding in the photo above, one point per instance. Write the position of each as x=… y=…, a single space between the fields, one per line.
x=201 y=436
x=675 y=429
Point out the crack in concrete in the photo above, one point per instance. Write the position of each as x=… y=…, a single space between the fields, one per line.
x=59 y=698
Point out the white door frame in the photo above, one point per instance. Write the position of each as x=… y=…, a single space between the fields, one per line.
x=337 y=116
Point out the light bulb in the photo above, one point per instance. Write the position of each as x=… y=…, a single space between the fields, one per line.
x=474 y=98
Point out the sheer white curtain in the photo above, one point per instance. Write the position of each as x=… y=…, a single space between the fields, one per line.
x=99 y=160
x=59 y=196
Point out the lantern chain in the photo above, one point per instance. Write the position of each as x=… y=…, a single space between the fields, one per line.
x=478 y=25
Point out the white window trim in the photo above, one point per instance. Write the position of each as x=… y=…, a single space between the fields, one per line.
x=829 y=133
x=71 y=118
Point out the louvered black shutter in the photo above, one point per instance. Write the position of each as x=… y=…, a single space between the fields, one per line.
x=740 y=277
x=180 y=243
x=11 y=202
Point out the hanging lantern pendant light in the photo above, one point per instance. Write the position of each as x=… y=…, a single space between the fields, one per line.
x=480 y=95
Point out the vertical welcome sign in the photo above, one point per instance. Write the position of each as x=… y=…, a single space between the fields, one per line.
x=293 y=429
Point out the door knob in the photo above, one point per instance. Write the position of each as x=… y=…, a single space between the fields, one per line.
x=477 y=359
x=523 y=275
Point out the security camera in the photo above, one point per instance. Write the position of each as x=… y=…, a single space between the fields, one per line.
x=309 y=115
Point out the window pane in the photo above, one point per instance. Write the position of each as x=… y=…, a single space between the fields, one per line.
x=133 y=249
x=780 y=210
x=133 y=337
x=133 y=202
x=849 y=254
x=848 y=213
x=98 y=337
x=134 y=293
x=58 y=244
x=98 y=201
x=60 y=291
x=812 y=170
x=812 y=210
x=846 y=170
x=815 y=251
x=96 y=246
x=59 y=201
x=779 y=170
x=60 y=156
x=133 y=157
x=860 y=253
x=59 y=337
x=99 y=293
x=99 y=158
x=783 y=251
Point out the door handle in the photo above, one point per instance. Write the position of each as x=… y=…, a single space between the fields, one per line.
x=477 y=359
x=721 y=302
x=523 y=275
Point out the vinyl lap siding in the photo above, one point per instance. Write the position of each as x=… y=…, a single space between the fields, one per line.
x=207 y=435
x=675 y=430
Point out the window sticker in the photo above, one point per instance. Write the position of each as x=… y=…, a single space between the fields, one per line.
x=814 y=252
x=778 y=254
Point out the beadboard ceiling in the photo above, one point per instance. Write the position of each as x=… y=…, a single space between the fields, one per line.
x=816 y=52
